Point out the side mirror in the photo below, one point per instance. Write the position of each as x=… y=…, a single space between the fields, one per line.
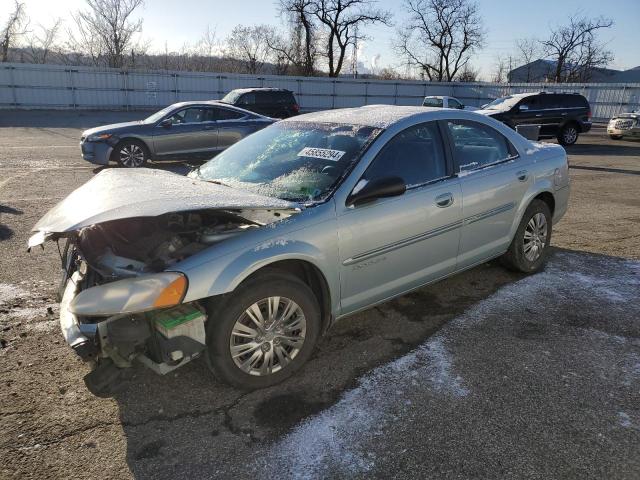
x=378 y=188
x=523 y=108
x=461 y=106
x=166 y=123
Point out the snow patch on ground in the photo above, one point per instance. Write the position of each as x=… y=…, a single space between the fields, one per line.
x=329 y=440
x=10 y=292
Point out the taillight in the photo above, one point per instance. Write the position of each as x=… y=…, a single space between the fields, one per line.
x=589 y=115
x=296 y=108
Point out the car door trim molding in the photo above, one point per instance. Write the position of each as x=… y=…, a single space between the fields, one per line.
x=428 y=234
x=402 y=243
x=489 y=213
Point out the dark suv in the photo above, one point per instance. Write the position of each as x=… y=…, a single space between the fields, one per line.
x=273 y=102
x=560 y=115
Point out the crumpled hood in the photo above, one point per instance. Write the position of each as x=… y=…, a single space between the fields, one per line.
x=114 y=127
x=118 y=193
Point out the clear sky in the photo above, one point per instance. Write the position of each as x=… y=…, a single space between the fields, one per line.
x=177 y=22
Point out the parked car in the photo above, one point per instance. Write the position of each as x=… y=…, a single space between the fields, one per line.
x=439 y=101
x=273 y=102
x=253 y=257
x=180 y=130
x=624 y=125
x=560 y=115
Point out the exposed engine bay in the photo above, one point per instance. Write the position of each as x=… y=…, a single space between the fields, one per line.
x=162 y=339
x=133 y=246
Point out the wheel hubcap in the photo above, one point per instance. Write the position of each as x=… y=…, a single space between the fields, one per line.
x=268 y=336
x=570 y=135
x=535 y=237
x=131 y=156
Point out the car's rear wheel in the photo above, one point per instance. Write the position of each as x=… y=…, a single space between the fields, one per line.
x=568 y=135
x=131 y=154
x=615 y=137
x=263 y=332
x=529 y=247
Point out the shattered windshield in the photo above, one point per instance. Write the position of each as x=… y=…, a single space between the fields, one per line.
x=297 y=161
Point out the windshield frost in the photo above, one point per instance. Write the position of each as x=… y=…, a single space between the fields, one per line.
x=503 y=103
x=231 y=97
x=296 y=161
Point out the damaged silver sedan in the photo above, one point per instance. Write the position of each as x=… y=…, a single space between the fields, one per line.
x=249 y=259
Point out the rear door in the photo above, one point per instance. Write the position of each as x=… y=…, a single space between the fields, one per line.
x=392 y=245
x=192 y=130
x=233 y=126
x=493 y=180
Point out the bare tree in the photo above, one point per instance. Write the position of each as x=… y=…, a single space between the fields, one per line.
x=439 y=36
x=528 y=51
x=42 y=42
x=249 y=46
x=467 y=74
x=106 y=30
x=568 y=45
x=13 y=29
x=302 y=51
x=340 y=21
x=502 y=68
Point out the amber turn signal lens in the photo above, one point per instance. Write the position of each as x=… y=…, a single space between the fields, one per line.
x=172 y=293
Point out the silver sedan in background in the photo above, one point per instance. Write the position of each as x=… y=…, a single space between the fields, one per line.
x=250 y=259
x=187 y=129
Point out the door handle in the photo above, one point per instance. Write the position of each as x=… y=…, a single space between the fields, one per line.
x=444 y=200
x=522 y=175
x=538 y=114
x=210 y=127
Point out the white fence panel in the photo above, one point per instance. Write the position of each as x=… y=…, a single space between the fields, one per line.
x=59 y=86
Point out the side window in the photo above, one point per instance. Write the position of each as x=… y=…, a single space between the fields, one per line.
x=189 y=115
x=283 y=98
x=533 y=102
x=247 y=99
x=416 y=155
x=226 y=114
x=263 y=98
x=477 y=145
x=432 y=102
x=553 y=100
x=453 y=103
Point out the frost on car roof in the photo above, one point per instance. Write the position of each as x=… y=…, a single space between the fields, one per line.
x=379 y=116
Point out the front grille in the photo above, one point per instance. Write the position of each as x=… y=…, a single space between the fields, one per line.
x=626 y=124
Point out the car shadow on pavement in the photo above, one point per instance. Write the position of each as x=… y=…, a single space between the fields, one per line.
x=5 y=232
x=175 y=422
x=626 y=148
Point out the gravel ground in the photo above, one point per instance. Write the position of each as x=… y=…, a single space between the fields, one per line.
x=488 y=374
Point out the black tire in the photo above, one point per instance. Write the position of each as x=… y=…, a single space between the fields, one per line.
x=131 y=153
x=568 y=135
x=615 y=137
x=515 y=258
x=225 y=312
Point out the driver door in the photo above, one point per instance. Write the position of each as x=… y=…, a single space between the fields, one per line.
x=391 y=245
x=192 y=130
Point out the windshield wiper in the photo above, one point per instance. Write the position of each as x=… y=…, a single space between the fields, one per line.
x=217 y=182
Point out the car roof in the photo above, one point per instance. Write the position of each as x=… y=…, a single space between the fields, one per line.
x=216 y=103
x=379 y=116
x=261 y=89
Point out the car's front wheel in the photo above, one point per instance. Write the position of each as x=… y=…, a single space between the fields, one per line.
x=568 y=135
x=528 y=250
x=615 y=137
x=263 y=332
x=131 y=154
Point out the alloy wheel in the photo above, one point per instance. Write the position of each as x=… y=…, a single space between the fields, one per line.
x=267 y=336
x=535 y=237
x=131 y=156
x=570 y=135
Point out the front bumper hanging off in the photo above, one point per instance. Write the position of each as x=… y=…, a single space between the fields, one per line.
x=80 y=337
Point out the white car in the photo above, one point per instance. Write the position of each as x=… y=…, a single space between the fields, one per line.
x=624 y=125
x=440 y=101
